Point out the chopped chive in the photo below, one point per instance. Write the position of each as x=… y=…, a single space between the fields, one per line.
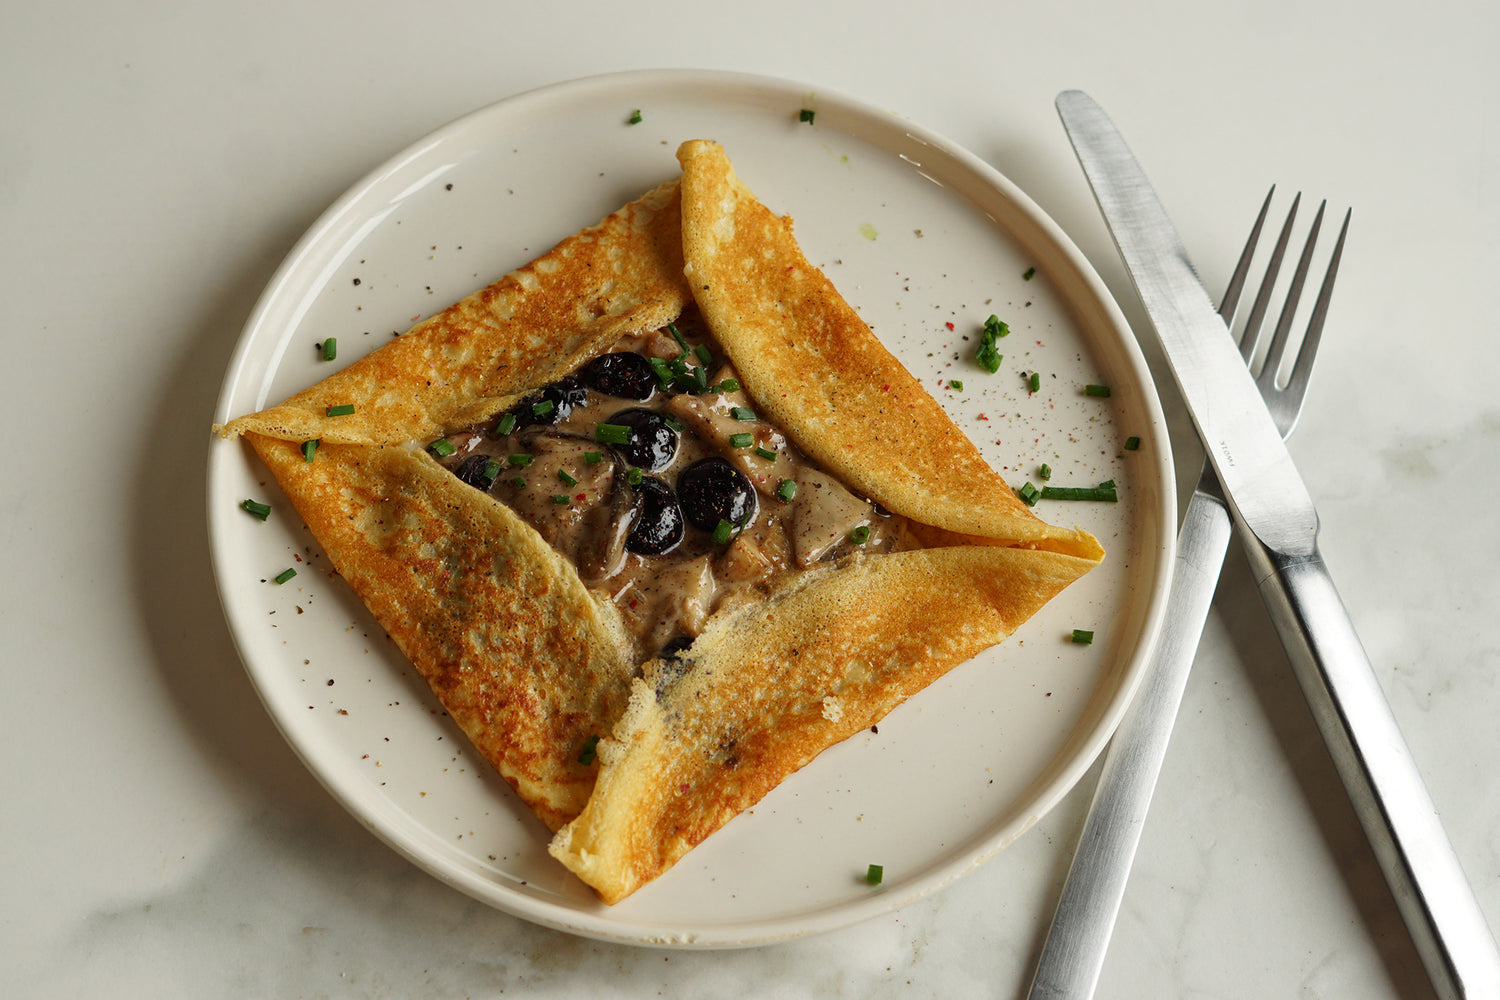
x=1132 y=443
x=285 y=575
x=520 y=458
x=260 y=510
x=1028 y=274
x=442 y=448
x=987 y=354
x=786 y=489
x=491 y=473
x=663 y=372
x=700 y=379
x=589 y=751
x=860 y=535
x=341 y=410
x=506 y=424
x=633 y=477
x=728 y=385
x=1105 y=491
x=722 y=531
x=1082 y=636
x=518 y=482
x=612 y=433
x=635 y=117
x=806 y=115
x=741 y=413
x=1029 y=494
x=956 y=385
x=765 y=453
x=874 y=874
x=330 y=348
x=671 y=421
x=592 y=457
x=681 y=341
x=568 y=480
x=1101 y=391
x=741 y=440
x=1034 y=382
x=542 y=407
x=558 y=499
x=1045 y=472
x=704 y=354
x=309 y=449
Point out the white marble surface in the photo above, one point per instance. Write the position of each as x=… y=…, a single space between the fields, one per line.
x=158 y=159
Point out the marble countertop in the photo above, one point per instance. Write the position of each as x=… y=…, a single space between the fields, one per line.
x=158 y=160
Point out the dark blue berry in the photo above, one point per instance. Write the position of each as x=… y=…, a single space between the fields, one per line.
x=711 y=490
x=653 y=443
x=625 y=374
x=659 y=528
x=479 y=471
x=552 y=405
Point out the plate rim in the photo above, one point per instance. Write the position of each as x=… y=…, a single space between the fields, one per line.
x=598 y=925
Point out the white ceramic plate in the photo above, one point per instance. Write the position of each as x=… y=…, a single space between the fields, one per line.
x=926 y=241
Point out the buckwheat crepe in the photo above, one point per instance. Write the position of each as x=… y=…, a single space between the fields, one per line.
x=534 y=665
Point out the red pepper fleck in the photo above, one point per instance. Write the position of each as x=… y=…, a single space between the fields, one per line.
x=948 y=325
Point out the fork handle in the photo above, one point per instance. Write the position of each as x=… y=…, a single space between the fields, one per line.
x=1399 y=819
x=1078 y=937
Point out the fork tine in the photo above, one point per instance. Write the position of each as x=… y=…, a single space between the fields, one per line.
x=1231 y=301
x=1270 y=371
x=1250 y=339
x=1296 y=386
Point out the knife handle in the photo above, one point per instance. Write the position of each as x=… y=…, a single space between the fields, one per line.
x=1078 y=938
x=1399 y=819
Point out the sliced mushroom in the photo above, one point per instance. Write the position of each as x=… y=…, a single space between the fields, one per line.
x=679 y=600
x=823 y=515
x=602 y=553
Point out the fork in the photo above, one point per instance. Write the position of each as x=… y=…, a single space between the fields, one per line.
x=1073 y=954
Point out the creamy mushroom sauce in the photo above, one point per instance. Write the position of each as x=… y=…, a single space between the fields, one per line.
x=591 y=499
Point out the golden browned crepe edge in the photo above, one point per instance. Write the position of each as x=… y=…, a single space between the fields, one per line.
x=524 y=659
x=785 y=326
x=771 y=688
x=471 y=360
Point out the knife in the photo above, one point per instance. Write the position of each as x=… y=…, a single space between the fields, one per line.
x=1278 y=524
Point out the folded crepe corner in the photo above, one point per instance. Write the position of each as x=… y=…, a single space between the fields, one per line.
x=530 y=663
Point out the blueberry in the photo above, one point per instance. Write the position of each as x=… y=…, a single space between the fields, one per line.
x=553 y=404
x=479 y=471
x=652 y=444
x=659 y=528
x=624 y=374
x=711 y=490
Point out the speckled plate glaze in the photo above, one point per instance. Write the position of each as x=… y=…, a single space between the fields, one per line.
x=926 y=241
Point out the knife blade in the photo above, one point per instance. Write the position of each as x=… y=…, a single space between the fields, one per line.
x=1278 y=523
